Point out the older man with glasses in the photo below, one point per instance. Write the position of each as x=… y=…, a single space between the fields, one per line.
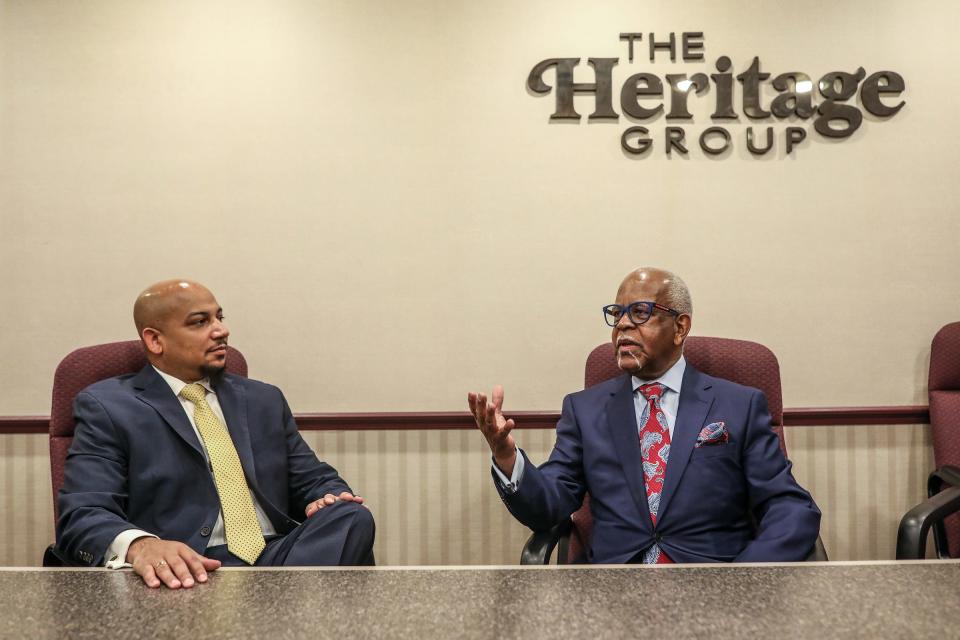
x=680 y=466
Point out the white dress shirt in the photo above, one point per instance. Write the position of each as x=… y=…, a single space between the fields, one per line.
x=116 y=556
x=669 y=402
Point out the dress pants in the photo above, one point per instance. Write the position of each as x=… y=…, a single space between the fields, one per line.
x=340 y=534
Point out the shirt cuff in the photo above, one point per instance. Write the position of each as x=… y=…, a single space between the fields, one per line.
x=116 y=556
x=510 y=485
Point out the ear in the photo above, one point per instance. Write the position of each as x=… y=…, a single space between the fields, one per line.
x=152 y=340
x=684 y=322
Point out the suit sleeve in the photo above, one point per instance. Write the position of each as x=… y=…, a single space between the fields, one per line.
x=93 y=499
x=308 y=477
x=548 y=494
x=788 y=520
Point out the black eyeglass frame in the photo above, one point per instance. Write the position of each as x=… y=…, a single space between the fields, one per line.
x=646 y=306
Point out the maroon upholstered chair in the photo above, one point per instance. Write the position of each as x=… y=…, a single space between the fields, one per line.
x=77 y=371
x=747 y=363
x=940 y=509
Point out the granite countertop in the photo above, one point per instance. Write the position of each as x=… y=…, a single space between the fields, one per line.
x=807 y=600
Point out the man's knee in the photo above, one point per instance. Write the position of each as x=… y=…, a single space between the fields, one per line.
x=358 y=544
x=360 y=519
x=363 y=524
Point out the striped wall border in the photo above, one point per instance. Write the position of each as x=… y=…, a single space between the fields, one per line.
x=416 y=421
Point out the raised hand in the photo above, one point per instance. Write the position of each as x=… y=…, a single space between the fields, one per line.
x=495 y=428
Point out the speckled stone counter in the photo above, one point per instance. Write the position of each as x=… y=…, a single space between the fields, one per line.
x=863 y=600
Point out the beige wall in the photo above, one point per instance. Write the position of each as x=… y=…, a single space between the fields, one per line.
x=434 y=501
x=379 y=202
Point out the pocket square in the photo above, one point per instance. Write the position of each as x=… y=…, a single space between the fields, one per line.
x=713 y=434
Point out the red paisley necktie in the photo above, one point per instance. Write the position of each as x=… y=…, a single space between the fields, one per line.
x=654 y=450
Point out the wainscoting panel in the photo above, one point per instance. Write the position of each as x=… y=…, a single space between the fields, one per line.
x=434 y=502
x=864 y=478
x=26 y=504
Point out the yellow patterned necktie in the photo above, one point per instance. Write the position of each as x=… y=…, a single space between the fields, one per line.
x=244 y=535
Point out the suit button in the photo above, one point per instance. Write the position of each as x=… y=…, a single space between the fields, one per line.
x=205 y=531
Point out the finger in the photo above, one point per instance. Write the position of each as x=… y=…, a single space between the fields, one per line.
x=475 y=408
x=481 y=409
x=508 y=427
x=315 y=506
x=492 y=419
x=209 y=563
x=181 y=571
x=148 y=574
x=472 y=401
x=197 y=569
x=498 y=397
x=346 y=496
x=166 y=576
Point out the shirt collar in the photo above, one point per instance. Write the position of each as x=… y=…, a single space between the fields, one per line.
x=672 y=379
x=177 y=385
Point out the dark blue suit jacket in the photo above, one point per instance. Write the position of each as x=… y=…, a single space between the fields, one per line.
x=731 y=502
x=136 y=463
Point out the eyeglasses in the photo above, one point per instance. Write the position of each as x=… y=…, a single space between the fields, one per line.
x=639 y=312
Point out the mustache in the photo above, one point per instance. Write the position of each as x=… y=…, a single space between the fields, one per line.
x=621 y=340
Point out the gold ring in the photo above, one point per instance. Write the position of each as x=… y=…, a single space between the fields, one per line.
x=162 y=563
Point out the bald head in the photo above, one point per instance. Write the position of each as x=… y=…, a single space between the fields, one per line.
x=181 y=326
x=671 y=290
x=157 y=303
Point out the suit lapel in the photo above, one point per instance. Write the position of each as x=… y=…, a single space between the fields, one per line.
x=622 y=422
x=233 y=403
x=154 y=391
x=695 y=401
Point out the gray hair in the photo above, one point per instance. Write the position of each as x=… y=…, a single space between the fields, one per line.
x=676 y=295
x=674 y=292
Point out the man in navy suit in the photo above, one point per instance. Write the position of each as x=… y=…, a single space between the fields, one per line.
x=179 y=468
x=680 y=466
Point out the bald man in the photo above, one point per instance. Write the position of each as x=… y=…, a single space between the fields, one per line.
x=183 y=467
x=680 y=466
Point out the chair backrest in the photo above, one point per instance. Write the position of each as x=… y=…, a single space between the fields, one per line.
x=80 y=369
x=944 y=390
x=740 y=361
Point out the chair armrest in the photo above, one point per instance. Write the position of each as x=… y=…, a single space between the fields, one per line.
x=912 y=535
x=819 y=553
x=540 y=544
x=947 y=474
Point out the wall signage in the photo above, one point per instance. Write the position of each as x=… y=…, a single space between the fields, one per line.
x=641 y=97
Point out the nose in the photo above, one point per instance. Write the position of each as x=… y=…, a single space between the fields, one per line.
x=624 y=321
x=220 y=329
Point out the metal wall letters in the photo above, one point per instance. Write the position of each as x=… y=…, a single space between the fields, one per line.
x=642 y=97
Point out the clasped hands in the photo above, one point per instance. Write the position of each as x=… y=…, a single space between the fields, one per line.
x=174 y=564
x=495 y=428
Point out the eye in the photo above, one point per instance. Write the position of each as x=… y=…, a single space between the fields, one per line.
x=640 y=311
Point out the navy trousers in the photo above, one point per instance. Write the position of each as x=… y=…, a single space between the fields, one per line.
x=338 y=535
